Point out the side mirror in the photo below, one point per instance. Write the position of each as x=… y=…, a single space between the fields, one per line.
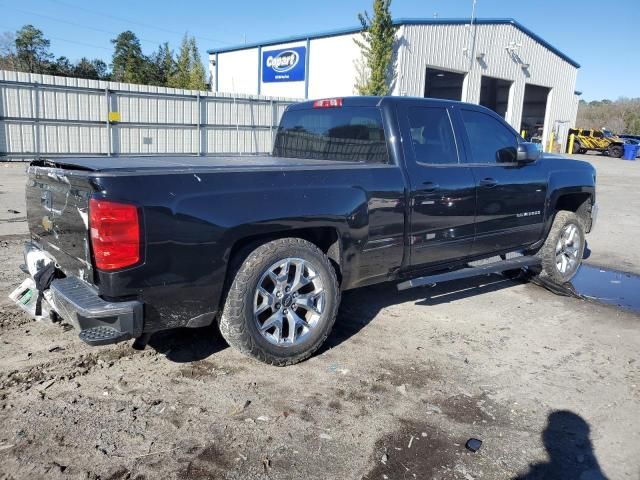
x=528 y=152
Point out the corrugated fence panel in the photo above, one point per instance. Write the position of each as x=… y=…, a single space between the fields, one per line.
x=43 y=115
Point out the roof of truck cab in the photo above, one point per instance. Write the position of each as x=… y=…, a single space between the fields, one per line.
x=375 y=101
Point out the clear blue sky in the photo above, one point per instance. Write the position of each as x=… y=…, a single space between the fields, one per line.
x=601 y=36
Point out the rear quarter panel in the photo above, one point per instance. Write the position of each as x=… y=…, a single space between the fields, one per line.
x=192 y=220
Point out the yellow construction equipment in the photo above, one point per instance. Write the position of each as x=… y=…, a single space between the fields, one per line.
x=597 y=140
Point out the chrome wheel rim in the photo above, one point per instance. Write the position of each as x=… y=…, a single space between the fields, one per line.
x=288 y=302
x=568 y=249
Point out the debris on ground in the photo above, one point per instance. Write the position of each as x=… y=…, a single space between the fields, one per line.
x=266 y=463
x=239 y=409
x=473 y=444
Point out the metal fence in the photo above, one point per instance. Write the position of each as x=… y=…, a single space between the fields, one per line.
x=47 y=116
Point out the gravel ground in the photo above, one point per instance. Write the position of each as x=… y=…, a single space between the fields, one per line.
x=550 y=384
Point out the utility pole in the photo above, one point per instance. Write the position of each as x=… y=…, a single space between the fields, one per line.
x=472 y=47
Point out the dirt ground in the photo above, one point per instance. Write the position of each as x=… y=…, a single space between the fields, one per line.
x=550 y=384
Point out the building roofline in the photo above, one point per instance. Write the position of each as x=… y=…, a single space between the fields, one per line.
x=400 y=22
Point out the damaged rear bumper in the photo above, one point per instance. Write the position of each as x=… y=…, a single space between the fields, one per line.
x=100 y=322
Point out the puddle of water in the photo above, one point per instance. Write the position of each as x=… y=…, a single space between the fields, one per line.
x=608 y=286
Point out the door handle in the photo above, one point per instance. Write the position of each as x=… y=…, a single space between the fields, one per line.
x=430 y=186
x=488 y=182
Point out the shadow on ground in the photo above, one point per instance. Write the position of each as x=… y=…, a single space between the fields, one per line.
x=568 y=444
x=359 y=307
x=184 y=345
x=420 y=450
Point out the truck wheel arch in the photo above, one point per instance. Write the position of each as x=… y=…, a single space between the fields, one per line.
x=326 y=239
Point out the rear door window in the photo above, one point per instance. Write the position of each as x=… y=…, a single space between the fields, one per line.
x=343 y=133
x=432 y=136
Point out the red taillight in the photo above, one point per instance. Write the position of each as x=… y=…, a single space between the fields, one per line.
x=328 y=103
x=115 y=234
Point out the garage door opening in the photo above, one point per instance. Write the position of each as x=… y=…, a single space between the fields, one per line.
x=494 y=94
x=534 y=109
x=443 y=84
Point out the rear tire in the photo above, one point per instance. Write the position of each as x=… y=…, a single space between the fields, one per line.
x=282 y=302
x=616 y=151
x=562 y=252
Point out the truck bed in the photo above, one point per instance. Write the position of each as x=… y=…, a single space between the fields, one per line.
x=182 y=164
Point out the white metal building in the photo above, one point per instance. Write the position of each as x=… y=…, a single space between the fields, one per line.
x=497 y=63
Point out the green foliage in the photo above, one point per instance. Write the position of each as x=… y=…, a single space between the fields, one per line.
x=92 y=69
x=62 y=67
x=162 y=65
x=128 y=64
x=32 y=50
x=619 y=116
x=189 y=72
x=376 y=46
x=28 y=51
x=197 y=76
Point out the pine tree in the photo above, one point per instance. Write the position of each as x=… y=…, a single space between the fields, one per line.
x=128 y=63
x=181 y=74
x=376 y=45
x=162 y=65
x=189 y=72
x=32 y=50
x=197 y=75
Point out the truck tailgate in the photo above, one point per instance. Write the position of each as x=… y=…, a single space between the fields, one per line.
x=57 y=213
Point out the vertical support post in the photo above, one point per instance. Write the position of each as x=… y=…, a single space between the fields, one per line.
x=273 y=123
x=199 y=124
x=259 y=69
x=108 y=124
x=572 y=139
x=237 y=108
x=306 y=69
x=216 y=76
x=36 y=107
x=550 y=146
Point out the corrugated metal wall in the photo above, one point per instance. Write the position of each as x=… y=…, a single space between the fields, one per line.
x=450 y=47
x=43 y=115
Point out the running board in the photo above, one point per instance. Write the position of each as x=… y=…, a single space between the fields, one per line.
x=487 y=269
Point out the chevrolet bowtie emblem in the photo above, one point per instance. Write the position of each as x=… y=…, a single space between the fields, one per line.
x=47 y=224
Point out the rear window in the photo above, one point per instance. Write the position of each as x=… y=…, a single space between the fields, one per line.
x=343 y=133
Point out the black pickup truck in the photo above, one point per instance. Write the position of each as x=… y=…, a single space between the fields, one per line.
x=358 y=191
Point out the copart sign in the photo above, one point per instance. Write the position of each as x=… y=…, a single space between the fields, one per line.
x=285 y=65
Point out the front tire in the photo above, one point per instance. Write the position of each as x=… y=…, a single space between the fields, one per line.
x=562 y=252
x=576 y=147
x=282 y=302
